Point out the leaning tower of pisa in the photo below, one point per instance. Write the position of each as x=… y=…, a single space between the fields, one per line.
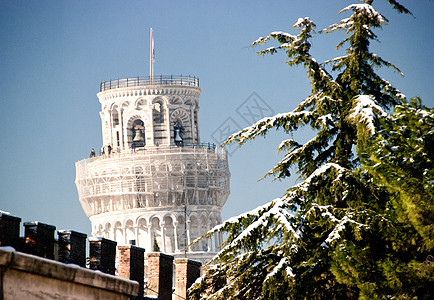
x=154 y=181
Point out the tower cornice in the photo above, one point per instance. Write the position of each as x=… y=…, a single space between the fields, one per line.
x=138 y=91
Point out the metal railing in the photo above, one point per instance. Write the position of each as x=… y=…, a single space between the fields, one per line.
x=149 y=81
x=154 y=149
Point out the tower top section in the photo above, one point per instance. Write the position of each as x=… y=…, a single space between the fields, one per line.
x=151 y=111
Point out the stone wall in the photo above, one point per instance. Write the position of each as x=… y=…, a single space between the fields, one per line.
x=35 y=275
x=26 y=276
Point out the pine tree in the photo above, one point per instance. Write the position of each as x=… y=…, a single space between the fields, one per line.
x=401 y=157
x=156 y=247
x=334 y=235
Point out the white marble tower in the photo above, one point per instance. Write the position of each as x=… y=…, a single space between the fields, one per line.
x=154 y=181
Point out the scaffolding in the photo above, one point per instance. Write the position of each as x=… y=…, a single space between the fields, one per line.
x=157 y=177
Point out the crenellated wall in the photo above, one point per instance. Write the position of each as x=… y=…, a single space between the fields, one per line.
x=27 y=273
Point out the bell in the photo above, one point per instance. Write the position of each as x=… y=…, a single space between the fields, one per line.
x=178 y=137
x=138 y=136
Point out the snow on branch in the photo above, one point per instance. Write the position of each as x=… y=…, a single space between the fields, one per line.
x=343 y=24
x=303 y=22
x=388 y=88
x=368 y=10
x=325 y=211
x=260 y=40
x=340 y=223
x=284 y=38
x=289 y=121
x=366 y=111
x=318 y=100
x=340 y=226
x=319 y=173
x=374 y=19
x=282 y=35
x=284 y=263
x=278 y=217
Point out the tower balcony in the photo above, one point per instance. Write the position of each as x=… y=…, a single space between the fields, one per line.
x=157 y=177
x=165 y=80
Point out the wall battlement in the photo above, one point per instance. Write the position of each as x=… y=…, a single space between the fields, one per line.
x=38 y=264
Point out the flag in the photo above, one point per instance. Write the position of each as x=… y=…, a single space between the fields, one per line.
x=153 y=47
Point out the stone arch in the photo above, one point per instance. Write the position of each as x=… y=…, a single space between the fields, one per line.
x=136 y=123
x=119 y=233
x=108 y=234
x=140 y=102
x=160 y=120
x=143 y=233
x=212 y=223
x=189 y=102
x=156 y=232
x=169 y=234
x=160 y=99
x=125 y=104
x=181 y=232
x=130 y=233
x=180 y=121
x=99 y=231
x=194 y=230
x=203 y=229
x=114 y=112
x=176 y=100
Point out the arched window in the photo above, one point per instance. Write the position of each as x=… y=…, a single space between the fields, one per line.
x=169 y=235
x=138 y=134
x=182 y=233
x=194 y=232
x=115 y=116
x=142 y=228
x=119 y=233
x=156 y=234
x=130 y=233
x=178 y=131
x=159 y=122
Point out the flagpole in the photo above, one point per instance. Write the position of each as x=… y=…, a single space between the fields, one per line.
x=150 y=56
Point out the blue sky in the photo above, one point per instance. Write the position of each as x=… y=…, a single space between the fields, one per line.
x=54 y=54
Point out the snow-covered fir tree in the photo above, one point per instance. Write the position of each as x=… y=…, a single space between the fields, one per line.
x=401 y=157
x=338 y=233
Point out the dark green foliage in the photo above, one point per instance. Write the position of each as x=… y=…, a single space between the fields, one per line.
x=359 y=223
x=156 y=247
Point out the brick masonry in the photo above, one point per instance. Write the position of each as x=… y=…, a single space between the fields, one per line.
x=160 y=275
x=187 y=271
x=131 y=264
x=102 y=255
